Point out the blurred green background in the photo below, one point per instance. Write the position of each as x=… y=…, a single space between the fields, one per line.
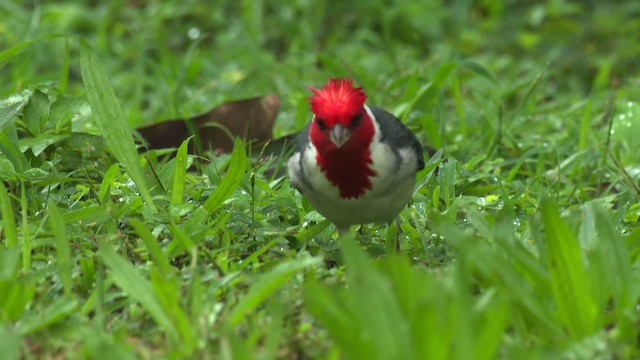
x=175 y=58
x=528 y=99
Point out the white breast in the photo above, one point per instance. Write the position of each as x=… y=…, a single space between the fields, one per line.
x=392 y=188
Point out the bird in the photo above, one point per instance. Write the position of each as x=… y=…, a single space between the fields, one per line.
x=354 y=163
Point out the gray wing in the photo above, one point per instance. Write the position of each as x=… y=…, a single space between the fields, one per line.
x=296 y=160
x=302 y=141
x=391 y=125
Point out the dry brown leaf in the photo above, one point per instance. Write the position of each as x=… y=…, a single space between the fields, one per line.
x=251 y=119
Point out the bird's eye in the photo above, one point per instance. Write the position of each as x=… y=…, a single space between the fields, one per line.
x=356 y=120
x=321 y=125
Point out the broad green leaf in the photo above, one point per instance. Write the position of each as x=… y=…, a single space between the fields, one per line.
x=7 y=171
x=36 y=113
x=110 y=118
x=41 y=142
x=9 y=112
x=62 y=112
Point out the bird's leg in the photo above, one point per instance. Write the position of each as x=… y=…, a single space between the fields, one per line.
x=393 y=236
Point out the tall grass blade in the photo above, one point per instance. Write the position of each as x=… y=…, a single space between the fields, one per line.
x=60 y=309
x=63 y=249
x=10 y=343
x=8 y=220
x=231 y=180
x=180 y=173
x=157 y=255
x=11 y=150
x=126 y=277
x=26 y=231
x=110 y=118
x=267 y=285
x=570 y=286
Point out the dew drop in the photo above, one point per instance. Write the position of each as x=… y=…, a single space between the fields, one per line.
x=194 y=33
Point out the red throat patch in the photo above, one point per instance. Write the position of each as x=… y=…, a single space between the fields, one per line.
x=349 y=166
x=351 y=175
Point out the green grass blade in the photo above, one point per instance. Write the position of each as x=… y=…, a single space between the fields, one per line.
x=64 y=69
x=9 y=343
x=331 y=309
x=369 y=290
x=157 y=255
x=9 y=261
x=181 y=241
x=26 y=231
x=180 y=173
x=11 y=150
x=63 y=250
x=609 y=263
x=491 y=334
x=110 y=118
x=308 y=233
x=231 y=180
x=569 y=283
x=107 y=182
x=267 y=285
x=90 y=212
x=585 y=126
x=126 y=277
x=8 y=219
x=60 y=309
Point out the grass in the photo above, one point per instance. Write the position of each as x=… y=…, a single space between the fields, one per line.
x=522 y=240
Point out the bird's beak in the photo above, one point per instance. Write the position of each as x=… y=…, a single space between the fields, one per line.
x=339 y=135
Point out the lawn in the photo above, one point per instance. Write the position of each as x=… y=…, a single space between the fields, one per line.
x=521 y=241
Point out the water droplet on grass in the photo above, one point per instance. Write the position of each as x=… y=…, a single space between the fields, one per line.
x=194 y=33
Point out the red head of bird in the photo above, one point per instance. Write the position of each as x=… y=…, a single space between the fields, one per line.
x=342 y=131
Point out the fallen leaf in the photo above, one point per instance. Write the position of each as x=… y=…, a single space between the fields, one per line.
x=252 y=119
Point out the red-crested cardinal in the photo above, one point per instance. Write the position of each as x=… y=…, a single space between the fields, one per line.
x=355 y=163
